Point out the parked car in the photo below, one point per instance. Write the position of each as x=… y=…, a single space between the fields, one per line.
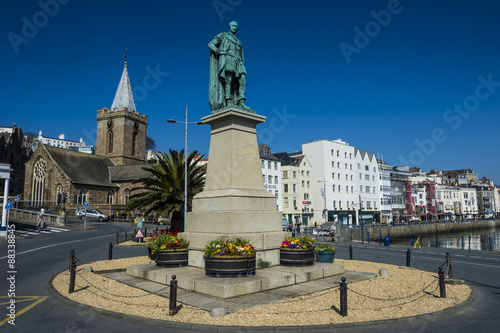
x=94 y=214
x=163 y=219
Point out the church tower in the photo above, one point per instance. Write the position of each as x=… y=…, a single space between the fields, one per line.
x=121 y=130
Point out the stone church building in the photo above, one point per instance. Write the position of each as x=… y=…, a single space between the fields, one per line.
x=103 y=180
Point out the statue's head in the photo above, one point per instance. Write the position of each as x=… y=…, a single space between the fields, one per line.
x=233 y=26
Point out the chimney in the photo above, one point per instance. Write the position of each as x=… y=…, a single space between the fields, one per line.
x=61 y=136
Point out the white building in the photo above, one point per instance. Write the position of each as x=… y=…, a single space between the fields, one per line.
x=61 y=142
x=468 y=203
x=271 y=174
x=346 y=181
x=385 y=191
x=296 y=185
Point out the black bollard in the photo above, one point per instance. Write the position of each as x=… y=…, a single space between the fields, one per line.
x=350 y=252
x=172 y=309
x=442 y=287
x=117 y=238
x=110 y=251
x=448 y=265
x=71 y=258
x=343 y=298
x=72 y=272
x=408 y=255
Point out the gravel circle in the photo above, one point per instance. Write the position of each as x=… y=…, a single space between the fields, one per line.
x=407 y=292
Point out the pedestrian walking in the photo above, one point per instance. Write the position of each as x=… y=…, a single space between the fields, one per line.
x=40 y=222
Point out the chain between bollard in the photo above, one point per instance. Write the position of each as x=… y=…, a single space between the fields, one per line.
x=172 y=309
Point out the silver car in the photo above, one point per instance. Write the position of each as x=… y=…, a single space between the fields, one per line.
x=93 y=214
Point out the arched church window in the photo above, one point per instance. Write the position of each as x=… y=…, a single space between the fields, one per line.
x=38 y=184
x=134 y=142
x=127 y=196
x=110 y=197
x=110 y=142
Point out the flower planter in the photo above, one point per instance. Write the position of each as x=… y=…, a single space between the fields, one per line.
x=230 y=266
x=296 y=257
x=171 y=258
x=151 y=254
x=325 y=256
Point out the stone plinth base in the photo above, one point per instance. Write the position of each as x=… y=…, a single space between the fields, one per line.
x=194 y=279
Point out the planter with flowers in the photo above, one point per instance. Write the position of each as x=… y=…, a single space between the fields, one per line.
x=325 y=253
x=168 y=250
x=229 y=258
x=297 y=251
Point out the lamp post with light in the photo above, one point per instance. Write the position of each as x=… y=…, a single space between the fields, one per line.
x=172 y=121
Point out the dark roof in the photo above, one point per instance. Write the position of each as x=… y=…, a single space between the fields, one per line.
x=127 y=172
x=286 y=159
x=82 y=168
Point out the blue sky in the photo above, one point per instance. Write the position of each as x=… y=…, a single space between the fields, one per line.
x=415 y=81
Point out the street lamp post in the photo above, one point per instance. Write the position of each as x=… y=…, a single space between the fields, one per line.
x=172 y=121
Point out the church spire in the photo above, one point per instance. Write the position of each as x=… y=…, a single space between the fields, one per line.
x=123 y=96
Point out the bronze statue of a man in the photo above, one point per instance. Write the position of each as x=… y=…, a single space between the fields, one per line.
x=227 y=70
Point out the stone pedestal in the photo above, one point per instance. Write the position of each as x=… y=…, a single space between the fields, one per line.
x=234 y=202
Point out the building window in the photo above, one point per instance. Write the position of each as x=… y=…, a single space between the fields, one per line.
x=269 y=179
x=110 y=142
x=276 y=193
x=350 y=156
x=361 y=188
x=307 y=173
x=39 y=173
x=262 y=165
x=339 y=189
x=367 y=188
x=333 y=164
x=350 y=166
x=110 y=197
x=373 y=178
x=303 y=183
x=333 y=175
x=294 y=188
x=294 y=202
x=308 y=183
x=333 y=188
x=334 y=204
x=359 y=166
x=264 y=178
x=352 y=189
x=338 y=176
x=295 y=174
x=302 y=173
x=374 y=189
x=285 y=202
x=338 y=165
x=276 y=179
x=269 y=164
x=345 y=154
x=338 y=153
x=306 y=196
x=275 y=165
x=285 y=188
x=331 y=151
x=367 y=177
x=361 y=176
x=351 y=178
x=346 y=177
x=285 y=174
x=367 y=168
x=346 y=166
x=347 y=189
x=374 y=169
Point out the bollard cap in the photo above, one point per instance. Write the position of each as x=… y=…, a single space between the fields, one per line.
x=174 y=277
x=343 y=280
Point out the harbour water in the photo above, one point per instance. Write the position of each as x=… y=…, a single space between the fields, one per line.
x=484 y=240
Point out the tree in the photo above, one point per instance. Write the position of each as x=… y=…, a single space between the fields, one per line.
x=150 y=143
x=163 y=189
x=30 y=135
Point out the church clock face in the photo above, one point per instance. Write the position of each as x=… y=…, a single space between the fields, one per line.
x=136 y=127
x=111 y=123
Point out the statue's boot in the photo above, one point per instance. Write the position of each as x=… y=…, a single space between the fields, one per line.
x=241 y=104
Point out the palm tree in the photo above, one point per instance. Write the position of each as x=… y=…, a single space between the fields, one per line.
x=163 y=189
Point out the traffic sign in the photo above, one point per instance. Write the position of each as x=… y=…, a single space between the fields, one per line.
x=8 y=205
x=86 y=204
x=139 y=234
x=17 y=198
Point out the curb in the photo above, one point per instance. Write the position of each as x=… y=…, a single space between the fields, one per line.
x=240 y=329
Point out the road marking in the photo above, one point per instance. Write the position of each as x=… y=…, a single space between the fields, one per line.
x=476 y=257
x=459 y=255
x=57 y=244
x=432 y=252
x=61 y=229
x=491 y=258
x=29 y=307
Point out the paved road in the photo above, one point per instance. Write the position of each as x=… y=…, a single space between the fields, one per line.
x=42 y=256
